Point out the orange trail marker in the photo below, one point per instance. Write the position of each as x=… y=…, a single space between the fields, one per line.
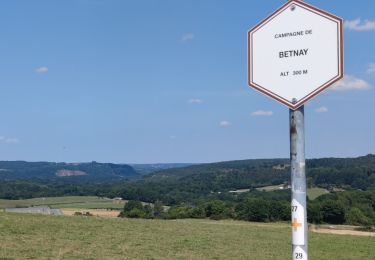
x=295 y=224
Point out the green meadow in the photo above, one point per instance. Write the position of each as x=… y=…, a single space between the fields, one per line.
x=313 y=193
x=26 y=236
x=88 y=202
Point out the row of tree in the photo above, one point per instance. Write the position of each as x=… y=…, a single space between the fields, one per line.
x=349 y=207
x=354 y=208
x=251 y=210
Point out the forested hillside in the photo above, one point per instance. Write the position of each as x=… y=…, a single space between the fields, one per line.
x=154 y=167
x=218 y=190
x=73 y=172
x=356 y=173
x=178 y=185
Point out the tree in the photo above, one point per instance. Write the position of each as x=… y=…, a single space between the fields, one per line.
x=135 y=213
x=333 y=212
x=253 y=210
x=132 y=204
x=355 y=216
x=134 y=209
x=158 y=209
x=198 y=212
x=279 y=211
x=314 y=214
x=148 y=211
x=177 y=212
x=217 y=210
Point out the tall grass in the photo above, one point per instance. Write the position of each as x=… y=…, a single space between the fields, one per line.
x=25 y=236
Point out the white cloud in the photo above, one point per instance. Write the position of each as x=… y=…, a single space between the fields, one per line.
x=262 y=113
x=12 y=140
x=195 y=101
x=187 y=37
x=356 y=25
x=7 y=140
x=224 y=123
x=371 y=68
x=322 y=109
x=41 y=70
x=350 y=83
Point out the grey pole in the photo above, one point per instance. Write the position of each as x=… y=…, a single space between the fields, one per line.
x=298 y=184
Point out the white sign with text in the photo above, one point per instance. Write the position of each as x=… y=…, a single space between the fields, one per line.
x=295 y=53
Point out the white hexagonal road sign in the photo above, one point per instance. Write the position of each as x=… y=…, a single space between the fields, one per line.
x=295 y=53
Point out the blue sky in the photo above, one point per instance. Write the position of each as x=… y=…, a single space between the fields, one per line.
x=147 y=81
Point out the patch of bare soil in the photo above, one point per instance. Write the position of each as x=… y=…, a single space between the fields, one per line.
x=94 y=212
x=341 y=230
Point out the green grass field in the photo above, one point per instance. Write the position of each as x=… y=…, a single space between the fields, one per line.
x=88 y=202
x=25 y=236
x=313 y=193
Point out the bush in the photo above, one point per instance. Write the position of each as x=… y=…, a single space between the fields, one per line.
x=132 y=204
x=178 y=212
x=148 y=211
x=158 y=209
x=355 y=216
x=253 y=210
x=314 y=213
x=333 y=212
x=279 y=211
x=87 y=214
x=135 y=213
x=198 y=212
x=135 y=209
x=217 y=210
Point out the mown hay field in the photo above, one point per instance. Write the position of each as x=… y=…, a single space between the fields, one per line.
x=25 y=236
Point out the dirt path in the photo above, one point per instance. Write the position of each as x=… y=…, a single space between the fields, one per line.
x=343 y=231
x=95 y=212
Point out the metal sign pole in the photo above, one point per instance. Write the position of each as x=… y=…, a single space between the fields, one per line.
x=292 y=40
x=298 y=184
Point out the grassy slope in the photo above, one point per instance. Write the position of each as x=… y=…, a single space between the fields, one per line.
x=58 y=237
x=64 y=202
x=313 y=193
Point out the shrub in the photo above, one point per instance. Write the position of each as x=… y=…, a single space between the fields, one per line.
x=217 y=210
x=355 y=216
x=135 y=213
x=333 y=212
x=253 y=210
x=135 y=209
x=178 y=212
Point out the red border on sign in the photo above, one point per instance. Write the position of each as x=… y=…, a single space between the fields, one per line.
x=340 y=50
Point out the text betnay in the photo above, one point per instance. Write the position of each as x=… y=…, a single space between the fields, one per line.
x=293 y=53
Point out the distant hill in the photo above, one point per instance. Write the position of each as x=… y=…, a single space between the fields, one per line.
x=353 y=172
x=225 y=169
x=93 y=171
x=177 y=185
x=154 y=167
x=199 y=181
